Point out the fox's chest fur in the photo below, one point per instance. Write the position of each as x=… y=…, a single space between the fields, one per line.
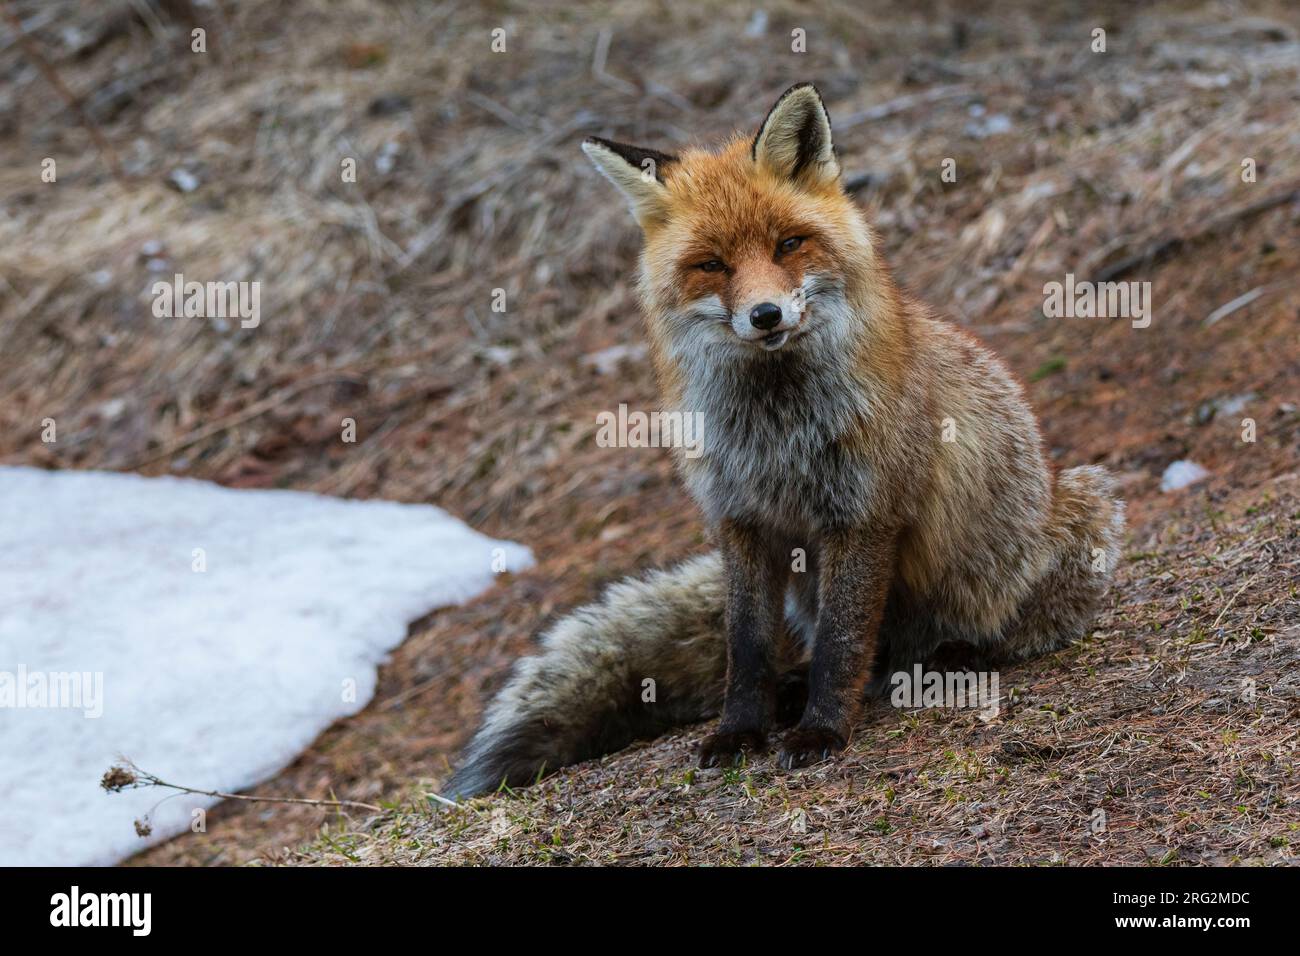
x=778 y=447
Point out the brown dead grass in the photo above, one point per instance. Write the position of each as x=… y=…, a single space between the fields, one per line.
x=1168 y=737
x=377 y=306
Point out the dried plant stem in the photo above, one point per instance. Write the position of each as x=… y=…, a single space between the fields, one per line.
x=51 y=74
x=142 y=778
x=355 y=804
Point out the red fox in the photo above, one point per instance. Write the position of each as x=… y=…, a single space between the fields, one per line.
x=874 y=478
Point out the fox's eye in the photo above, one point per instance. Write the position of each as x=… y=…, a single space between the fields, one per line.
x=791 y=244
x=713 y=265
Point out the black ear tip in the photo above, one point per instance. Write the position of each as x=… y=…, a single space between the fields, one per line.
x=633 y=155
x=802 y=86
x=799 y=88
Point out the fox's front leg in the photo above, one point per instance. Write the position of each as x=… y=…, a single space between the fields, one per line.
x=857 y=567
x=756 y=579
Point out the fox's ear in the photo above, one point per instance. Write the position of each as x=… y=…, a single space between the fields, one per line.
x=638 y=173
x=795 y=139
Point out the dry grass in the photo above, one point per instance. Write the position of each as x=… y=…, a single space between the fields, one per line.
x=1168 y=737
x=377 y=305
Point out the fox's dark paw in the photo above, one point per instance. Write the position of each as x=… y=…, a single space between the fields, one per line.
x=724 y=749
x=956 y=657
x=807 y=745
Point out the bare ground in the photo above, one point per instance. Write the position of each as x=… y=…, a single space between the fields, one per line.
x=380 y=309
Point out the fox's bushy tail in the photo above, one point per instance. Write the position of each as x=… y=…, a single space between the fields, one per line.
x=650 y=655
x=1085 y=532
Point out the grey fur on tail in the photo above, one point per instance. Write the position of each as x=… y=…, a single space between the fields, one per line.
x=583 y=695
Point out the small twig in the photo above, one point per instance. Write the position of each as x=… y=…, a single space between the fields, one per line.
x=503 y=113
x=598 y=63
x=398 y=699
x=900 y=104
x=1163 y=248
x=51 y=74
x=1240 y=302
x=670 y=96
x=1233 y=600
x=130 y=777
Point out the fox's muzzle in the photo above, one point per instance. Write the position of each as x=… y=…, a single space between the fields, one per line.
x=769 y=323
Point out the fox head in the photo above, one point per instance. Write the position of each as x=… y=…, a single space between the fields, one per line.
x=753 y=247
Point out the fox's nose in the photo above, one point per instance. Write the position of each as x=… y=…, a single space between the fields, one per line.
x=765 y=316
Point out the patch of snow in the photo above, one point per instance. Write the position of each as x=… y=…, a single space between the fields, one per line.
x=214 y=678
x=983 y=125
x=1236 y=404
x=500 y=354
x=1180 y=474
x=184 y=180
